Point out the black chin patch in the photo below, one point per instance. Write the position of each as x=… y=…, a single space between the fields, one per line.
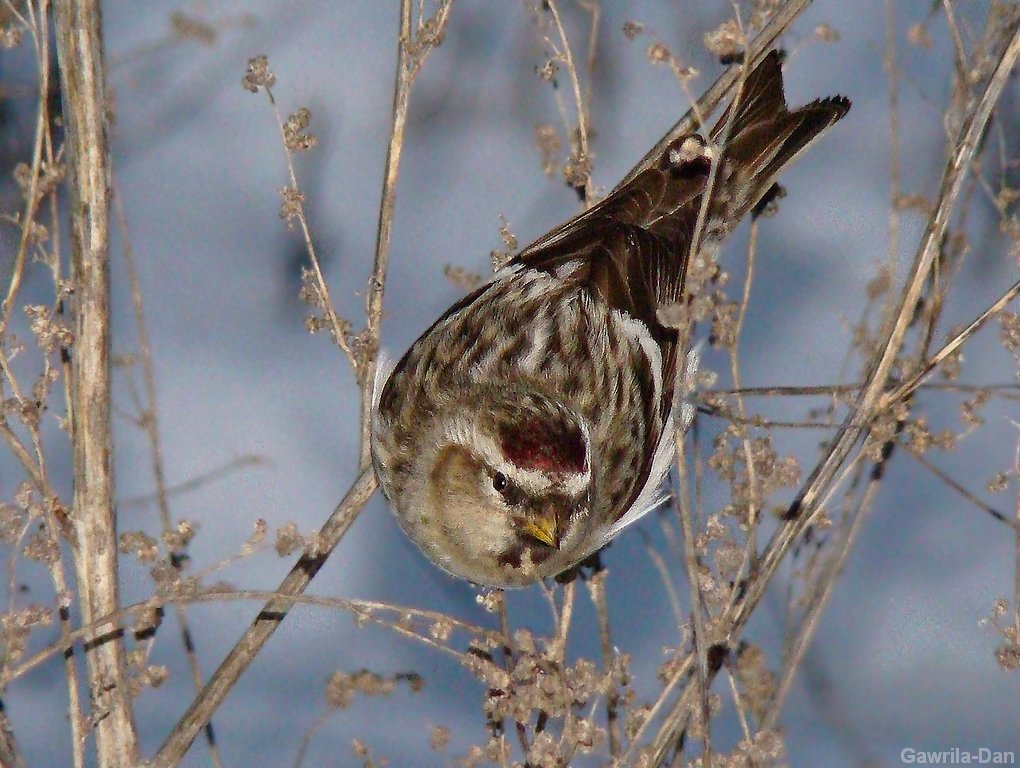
x=514 y=556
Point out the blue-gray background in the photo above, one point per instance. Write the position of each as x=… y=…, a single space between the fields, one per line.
x=899 y=660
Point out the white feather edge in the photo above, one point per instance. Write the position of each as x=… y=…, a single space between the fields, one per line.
x=383 y=368
x=652 y=496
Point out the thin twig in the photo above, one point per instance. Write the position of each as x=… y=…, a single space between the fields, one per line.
x=597 y=591
x=410 y=55
x=951 y=346
x=338 y=331
x=264 y=625
x=753 y=491
x=958 y=48
x=150 y=425
x=960 y=489
x=306 y=738
x=693 y=569
x=1016 y=562
x=579 y=104
x=28 y=463
x=248 y=460
x=384 y=232
x=823 y=591
x=362 y=610
x=826 y=475
x=842 y=389
x=41 y=39
x=664 y=576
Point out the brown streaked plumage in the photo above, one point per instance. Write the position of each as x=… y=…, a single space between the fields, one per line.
x=535 y=419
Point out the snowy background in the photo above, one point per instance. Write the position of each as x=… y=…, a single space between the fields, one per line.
x=899 y=660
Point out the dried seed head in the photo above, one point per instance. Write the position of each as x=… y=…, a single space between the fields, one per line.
x=259 y=75
x=632 y=29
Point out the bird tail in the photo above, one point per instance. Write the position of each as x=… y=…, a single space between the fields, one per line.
x=760 y=136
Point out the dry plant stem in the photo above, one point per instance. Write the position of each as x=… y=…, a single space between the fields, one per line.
x=820 y=483
x=384 y=233
x=738 y=704
x=721 y=88
x=750 y=550
x=83 y=90
x=868 y=403
x=595 y=9
x=507 y=644
x=597 y=591
x=35 y=468
x=10 y=755
x=908 y=387
x=334 y=322
x=681 y=672
x=994 y=513
x=1003 y=390
x=364 y=610
x=1016 y=572
x=582 y=112
x=676 y=721
x=39 y=24
x=729 y=624
x=306 y=739
x=150 y=424
x=261 y=629
x=77 y=721
x=692 y=567
x=892 y=73
x=665 y=577
x=759 y=421
x=706 y=197
x=21 y=452
x=566 y=617
x=41 y=40
x=410 y=57
x=560 y=648
x=248 y=460
x=819 y=600
x=806 y=391
x=273 y=613
x=954 y=31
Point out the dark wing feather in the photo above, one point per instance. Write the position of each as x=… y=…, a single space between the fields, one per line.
x=634 y=244
x=760 y=99
x=652 y=219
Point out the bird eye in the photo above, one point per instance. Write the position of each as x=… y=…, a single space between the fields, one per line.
x=499 y=482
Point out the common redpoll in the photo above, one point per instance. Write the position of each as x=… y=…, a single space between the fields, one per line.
x=536 y=418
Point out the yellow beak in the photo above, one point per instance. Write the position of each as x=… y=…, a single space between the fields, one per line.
x=543 y=528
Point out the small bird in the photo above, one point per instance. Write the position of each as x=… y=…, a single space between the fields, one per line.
x=536 y=418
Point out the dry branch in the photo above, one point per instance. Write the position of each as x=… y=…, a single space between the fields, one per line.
x=870 y=403
x=264 y=625
x=82 y=78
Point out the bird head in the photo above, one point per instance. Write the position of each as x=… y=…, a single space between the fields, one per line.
x=496 y=485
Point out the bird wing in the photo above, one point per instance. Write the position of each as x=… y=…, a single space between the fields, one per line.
x=658 y=210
